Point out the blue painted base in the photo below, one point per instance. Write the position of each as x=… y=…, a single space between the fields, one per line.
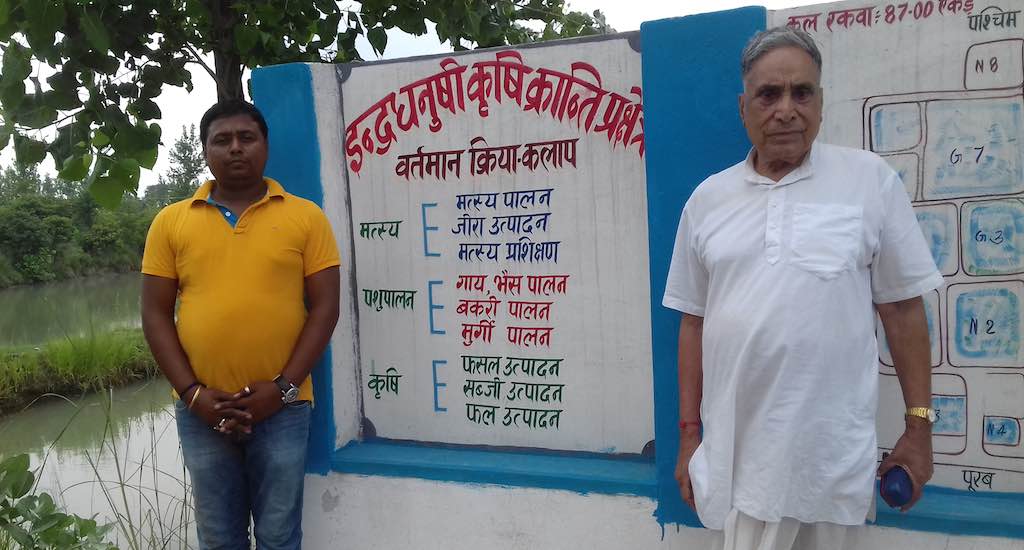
x=579 y=472
x=960 y=513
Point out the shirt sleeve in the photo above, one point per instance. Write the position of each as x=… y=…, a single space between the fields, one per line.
x=902 y=266
x=321 y=249
x=159 y=256
x=686 y=287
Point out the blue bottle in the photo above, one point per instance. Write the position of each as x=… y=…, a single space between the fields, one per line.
x=896 y=487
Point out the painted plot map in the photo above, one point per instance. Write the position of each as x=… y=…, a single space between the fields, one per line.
x=935 y=87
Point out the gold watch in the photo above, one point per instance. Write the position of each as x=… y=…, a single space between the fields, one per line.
x=926 y=413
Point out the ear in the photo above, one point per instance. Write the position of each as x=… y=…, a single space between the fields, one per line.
x=742 y=102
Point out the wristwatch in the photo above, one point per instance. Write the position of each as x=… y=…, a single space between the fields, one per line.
x=289 y=391
x=926 y=413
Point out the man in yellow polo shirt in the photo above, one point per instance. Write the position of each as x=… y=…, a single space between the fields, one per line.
x=255 y=272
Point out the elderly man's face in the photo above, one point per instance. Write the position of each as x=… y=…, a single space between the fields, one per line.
x=781 y=107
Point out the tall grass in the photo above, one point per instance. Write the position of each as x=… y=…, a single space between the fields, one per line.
x=73 y=366
x=148 y=506
x=146 y=515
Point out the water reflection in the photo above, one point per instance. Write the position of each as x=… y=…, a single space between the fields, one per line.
x=112 y=455
x=40 y=313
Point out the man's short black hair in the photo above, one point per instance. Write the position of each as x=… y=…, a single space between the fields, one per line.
x=229 y=108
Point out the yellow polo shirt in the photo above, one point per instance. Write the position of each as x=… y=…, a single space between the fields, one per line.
x=240 y=287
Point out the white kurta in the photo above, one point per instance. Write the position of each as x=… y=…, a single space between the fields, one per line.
x=785 y=275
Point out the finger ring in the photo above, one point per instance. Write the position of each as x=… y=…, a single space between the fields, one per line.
x=221 y=423
x=247 y=390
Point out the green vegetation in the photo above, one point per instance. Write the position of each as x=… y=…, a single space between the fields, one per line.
x=73 y=366
x=31 y=521
x=46 y=238
x=106 y=61
x=50 y=230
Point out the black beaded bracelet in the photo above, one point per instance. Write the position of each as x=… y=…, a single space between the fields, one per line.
x=182 y=394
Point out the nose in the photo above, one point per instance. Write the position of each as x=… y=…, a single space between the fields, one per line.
x=236 y=145
x=785 y=108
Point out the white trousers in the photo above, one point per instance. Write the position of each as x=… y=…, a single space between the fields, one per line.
x=743 y=532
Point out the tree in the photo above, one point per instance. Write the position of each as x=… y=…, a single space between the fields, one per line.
x=32 y=229
x=18 y=181
x=187 y=165
x=22 y=180
x=109 y=59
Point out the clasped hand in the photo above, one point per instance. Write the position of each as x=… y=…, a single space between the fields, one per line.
x=237 y=413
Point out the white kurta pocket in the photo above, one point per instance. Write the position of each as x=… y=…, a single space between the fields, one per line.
x=826 y=238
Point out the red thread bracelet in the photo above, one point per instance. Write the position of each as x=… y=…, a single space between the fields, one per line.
x=683 y=424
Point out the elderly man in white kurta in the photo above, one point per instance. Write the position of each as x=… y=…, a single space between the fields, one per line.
x=780 y=263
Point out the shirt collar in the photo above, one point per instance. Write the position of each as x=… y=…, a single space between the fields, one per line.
x=804 y=171
x=203 y=194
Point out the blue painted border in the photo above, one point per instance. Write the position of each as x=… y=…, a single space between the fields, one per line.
x=578 y=472
x=691 y=81
x=959 y=512
x=284 y=94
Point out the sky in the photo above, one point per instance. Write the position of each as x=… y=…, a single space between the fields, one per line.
x=181 y=108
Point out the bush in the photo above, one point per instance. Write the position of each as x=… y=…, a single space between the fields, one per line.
x=9 y=275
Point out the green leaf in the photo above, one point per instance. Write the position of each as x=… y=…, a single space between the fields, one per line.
x=126 y=172
x=48 y=521
x=107 y=191
x=12 y=93
x=99 y=168
x=95 y=32
x=62 y=100
x=5 y=10
x=146 y=109
x=35 y=114
x=14 y=464
x=147 y=157
x=100 y=140
x=20 y=536
x=549 y=32
x=62 y=80
x=75 y=168
x=5 y=135
x=28 y=150
x=60 y=148
x=21 y=482
x=44 y=18
x=378 y=38
x=246 y=38
x=128 y=89
x=46 y=504
x=17 y=66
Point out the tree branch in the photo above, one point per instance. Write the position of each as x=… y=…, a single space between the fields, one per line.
x=198 y=59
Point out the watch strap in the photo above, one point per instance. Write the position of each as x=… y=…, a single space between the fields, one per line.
x=283 y=383
x=921 y=412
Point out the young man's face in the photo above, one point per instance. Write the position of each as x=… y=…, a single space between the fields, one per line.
x=236 y=149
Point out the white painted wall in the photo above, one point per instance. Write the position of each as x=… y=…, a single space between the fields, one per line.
x=369 y=512
x=344 y=344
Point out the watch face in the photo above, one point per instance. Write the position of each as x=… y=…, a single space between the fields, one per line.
x=291 y=395
x=932 y=417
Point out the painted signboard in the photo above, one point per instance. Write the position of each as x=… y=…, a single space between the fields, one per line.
x=498 y=217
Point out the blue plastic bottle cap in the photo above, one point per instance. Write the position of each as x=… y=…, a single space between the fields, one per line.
x=896 y=487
